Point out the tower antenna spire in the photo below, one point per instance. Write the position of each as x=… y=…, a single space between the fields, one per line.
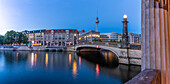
x=97 y=21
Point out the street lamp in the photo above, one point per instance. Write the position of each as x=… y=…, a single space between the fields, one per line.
x=125 y=37
x=74 y=40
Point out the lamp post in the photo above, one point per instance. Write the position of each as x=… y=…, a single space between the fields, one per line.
x=74 y=40
x=125 y=37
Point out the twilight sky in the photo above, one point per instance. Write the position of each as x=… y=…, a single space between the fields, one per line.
x=22 y=15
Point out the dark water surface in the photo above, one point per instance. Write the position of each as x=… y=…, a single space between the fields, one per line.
x=25 y=67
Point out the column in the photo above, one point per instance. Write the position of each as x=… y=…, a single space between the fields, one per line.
x=156 y=37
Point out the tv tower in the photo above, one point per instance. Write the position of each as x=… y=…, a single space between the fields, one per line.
x=97 y=22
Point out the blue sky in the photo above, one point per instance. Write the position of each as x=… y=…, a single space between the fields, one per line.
x=22 y=15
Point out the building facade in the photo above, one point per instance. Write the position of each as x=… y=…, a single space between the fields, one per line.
x=53 y=37
x=109 y=36
x=134 y=38
x=89 y=36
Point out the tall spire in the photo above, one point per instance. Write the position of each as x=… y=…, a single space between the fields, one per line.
x=97 y=21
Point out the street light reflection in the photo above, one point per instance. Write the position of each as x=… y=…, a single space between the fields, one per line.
x=35 y=59
x=74 y=69
x=69 y=57
x=97 y=70
x=79 y=61
x=46 y=59
x=32 y=59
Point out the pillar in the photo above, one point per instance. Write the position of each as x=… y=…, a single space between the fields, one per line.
x=156 y=37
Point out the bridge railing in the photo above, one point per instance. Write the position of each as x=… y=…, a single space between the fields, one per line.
x=110 y=44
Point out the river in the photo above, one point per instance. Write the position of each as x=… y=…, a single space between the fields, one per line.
x=26 y=67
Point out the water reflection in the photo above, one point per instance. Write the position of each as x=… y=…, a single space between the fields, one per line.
x=69 y=59
x=79 y=61
x=32 y=59
x=74 y=69
x=97 y=70
x=63 y=67
x=46 y=60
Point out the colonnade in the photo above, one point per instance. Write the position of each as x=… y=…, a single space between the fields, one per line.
x=156 y=37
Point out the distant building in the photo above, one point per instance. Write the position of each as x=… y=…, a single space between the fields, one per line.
x=119 y=37
x=53 y=37
x=89 y=36
x=134 y=38
x=109 y=36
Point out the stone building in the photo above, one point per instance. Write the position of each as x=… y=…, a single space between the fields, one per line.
x=53 y=37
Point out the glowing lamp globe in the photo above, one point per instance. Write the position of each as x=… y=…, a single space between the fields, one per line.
x=125 y=16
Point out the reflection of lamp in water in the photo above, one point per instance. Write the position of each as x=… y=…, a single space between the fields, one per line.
x=46 y=59
x=97 y=70
x=74 y=69
x=35 y=59
x=69 y=58
x=17 y=57
x=79 y=61
x=17 y=54
x=32 y=59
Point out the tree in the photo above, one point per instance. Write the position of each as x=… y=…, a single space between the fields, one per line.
x=25 y=39
x=15 y=37
x=21 y=38
x=10 y=37
x=1 y=39
x=120 y=41
x=95 y=39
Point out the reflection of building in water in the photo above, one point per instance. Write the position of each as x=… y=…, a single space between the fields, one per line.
x=74 y=69
x=97 y=70
x=46 y=59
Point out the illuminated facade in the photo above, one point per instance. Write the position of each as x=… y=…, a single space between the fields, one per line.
x=89 y=36
x=54 y=37
x=109 y=36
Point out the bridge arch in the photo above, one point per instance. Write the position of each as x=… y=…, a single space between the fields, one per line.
x=116 y=51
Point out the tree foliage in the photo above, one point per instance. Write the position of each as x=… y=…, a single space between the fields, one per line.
x=1 y=39
x=97 y=40
x=14 y=37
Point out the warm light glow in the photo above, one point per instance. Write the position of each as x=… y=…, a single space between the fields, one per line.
x=69 y=57
x=46 y=59
x=79 y=61
x=97 y=70
x=17 y=54
x=17 y=57
x=35 y=59
x=32 y=59
x=97 y=46
x=74 y=69
x=125 y=16
x=74 y=34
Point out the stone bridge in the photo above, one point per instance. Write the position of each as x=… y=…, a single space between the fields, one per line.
x=134 y=55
